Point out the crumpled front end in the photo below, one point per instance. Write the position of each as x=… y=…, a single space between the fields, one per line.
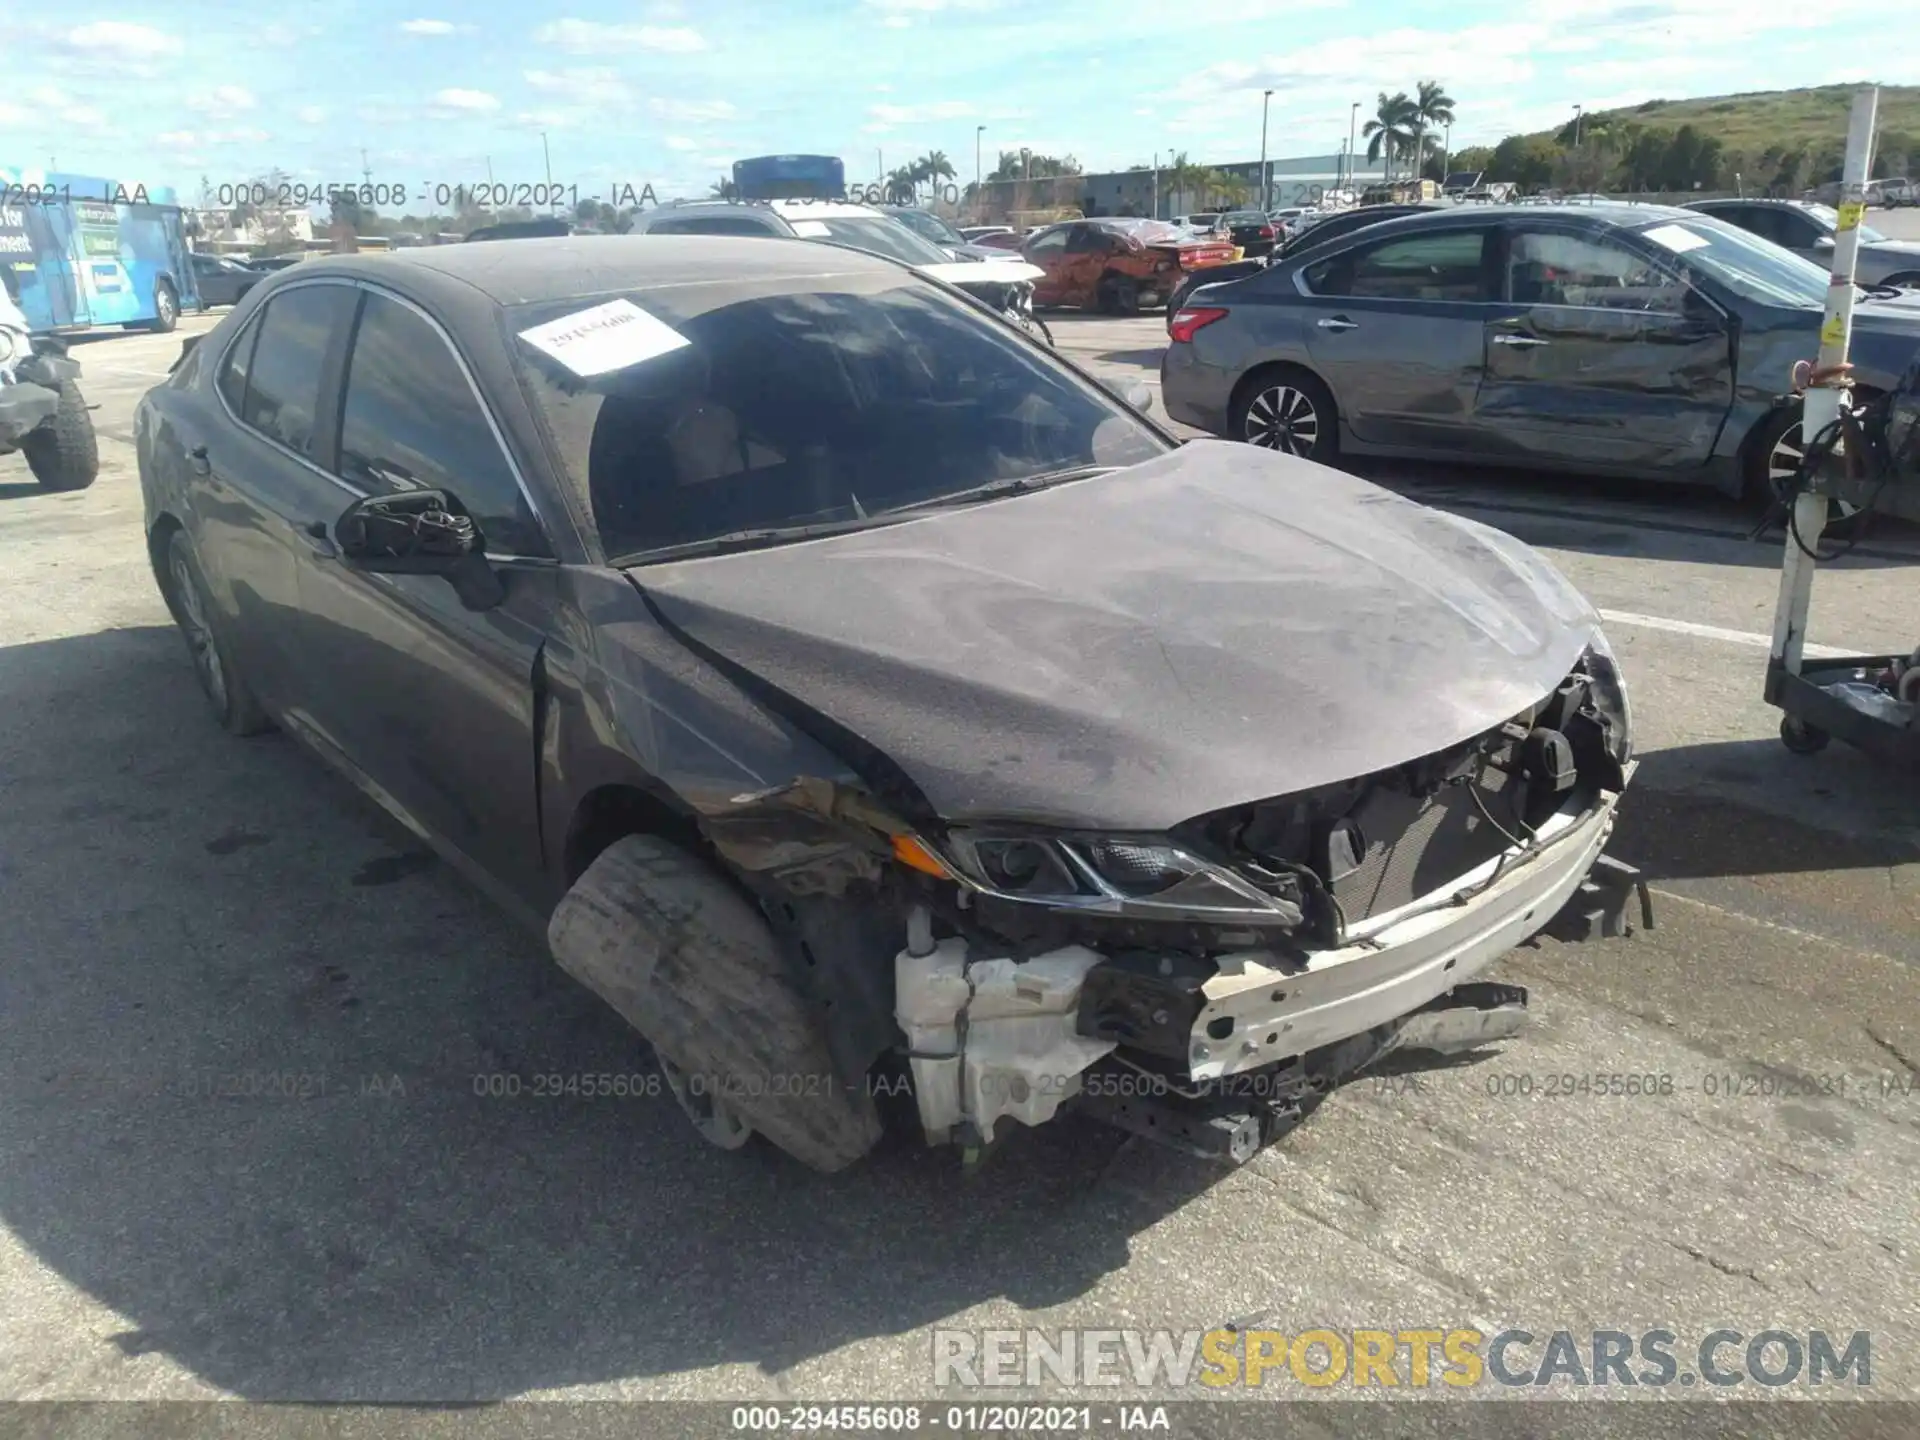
x=1204 y=986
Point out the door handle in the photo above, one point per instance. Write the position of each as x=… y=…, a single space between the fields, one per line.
x=1527 y=340
x=319 y=539
x=197 y=458
x=1337 y=322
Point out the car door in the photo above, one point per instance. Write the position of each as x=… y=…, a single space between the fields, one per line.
x=1396 y=332
x=1048 y=250
x=257 y=475
x=1601 y=355
x=429 y=702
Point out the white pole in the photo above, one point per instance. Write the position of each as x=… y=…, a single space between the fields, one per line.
x=1822 y=403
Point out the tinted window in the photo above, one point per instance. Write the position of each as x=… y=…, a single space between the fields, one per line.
x=283 y=382
x=233 y=374
x=711 y=225
x=1442 y=266
x=1795 y=230
x=1050 y=243
x=1549 y=267
x=410 y=422
x=874 y=235
x=800 y=407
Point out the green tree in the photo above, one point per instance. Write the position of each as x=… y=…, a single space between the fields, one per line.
x=934 y=166
x=1432 y=112
x=1391 y=130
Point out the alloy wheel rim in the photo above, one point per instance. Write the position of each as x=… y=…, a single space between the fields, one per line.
x=1783 y=463
x=1283 y=418
x=193 y=624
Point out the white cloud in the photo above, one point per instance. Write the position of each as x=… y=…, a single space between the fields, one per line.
x=468 y=102
x=222 y=102
x=246 y=136
x=428 y=27
x=119 y=38
x=692 y=112
x=590 y=85
x=311 y=114
x=590 y=37
x=898 y=22
x=681 y=142
x=177 y=139
x=717 y=162
x=921 y=114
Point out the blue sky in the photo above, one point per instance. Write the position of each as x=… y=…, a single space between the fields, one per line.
x=669 y=92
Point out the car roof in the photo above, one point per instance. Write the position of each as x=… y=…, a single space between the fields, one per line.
x=1441 y=216
x=824 y=210
x=562 y=267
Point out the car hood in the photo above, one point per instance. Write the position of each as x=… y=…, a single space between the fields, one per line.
x=1218 y=625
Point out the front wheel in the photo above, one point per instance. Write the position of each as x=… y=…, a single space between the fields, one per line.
x=1289 y=411
x=63 y=453
x=166 y=308
x=1119 y=295
x=1774 y=464
x=1802 y=738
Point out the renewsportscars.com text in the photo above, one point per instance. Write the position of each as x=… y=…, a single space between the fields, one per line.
x=1457 y=1358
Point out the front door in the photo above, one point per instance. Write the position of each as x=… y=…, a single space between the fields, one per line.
x=1394 y=329
x=430 y=702
x=1600 y=355
x=1048 y=250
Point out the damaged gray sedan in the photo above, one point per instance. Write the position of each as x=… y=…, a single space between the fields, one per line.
x=874 y=710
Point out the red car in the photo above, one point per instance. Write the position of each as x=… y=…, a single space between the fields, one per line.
x=1116 y=264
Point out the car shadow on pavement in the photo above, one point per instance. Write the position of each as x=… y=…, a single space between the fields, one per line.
x=21 y=491
x=1145 y=359
x=293 y=1102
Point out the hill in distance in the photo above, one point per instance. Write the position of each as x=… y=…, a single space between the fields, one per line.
x=1813 y=119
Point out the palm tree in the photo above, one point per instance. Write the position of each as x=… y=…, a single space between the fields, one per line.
x=1390 y=132
x=934 y=167
x=723 y=189
x=1432 y=110
x=902 y=183
x=1187 y=179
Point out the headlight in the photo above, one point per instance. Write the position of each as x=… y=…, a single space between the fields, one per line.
x=1145 y=878
x=1610 y=696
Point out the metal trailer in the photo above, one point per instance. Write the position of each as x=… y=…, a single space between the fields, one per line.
x=1839 y=697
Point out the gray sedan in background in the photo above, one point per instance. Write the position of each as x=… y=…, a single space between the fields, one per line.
x=1634 y=340
x=1808 y=230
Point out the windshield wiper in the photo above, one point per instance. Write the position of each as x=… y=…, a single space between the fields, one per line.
x=736 y=540
x=1008 y=485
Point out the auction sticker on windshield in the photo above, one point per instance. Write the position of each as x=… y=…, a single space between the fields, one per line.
x=1675 y=238
x=606 y=337
x=810 y=229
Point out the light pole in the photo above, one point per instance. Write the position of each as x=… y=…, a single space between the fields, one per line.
x=1446 y=153
x=1576 y=128
x=1266 y=190
x=1353 y=119
x=1156 y=184
x=979 y=195
x=547 y=156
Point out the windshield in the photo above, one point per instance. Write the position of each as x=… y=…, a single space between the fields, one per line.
x=799 y=407
x=1830 y=219
x=877 y=235
x=929 y=226
x=1753 y=268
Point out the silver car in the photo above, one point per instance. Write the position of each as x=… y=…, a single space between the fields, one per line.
x=1807 y=229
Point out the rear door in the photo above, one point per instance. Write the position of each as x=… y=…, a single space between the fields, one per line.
x=1397 y=333
x=1601 y=354
x=260 y=474
x=429 y=701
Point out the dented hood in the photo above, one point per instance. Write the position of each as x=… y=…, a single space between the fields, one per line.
x=1217 y=625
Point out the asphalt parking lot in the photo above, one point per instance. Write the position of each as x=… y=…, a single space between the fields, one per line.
x=187 y=911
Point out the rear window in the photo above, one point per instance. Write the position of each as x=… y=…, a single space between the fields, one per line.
x=809 y=407
x=1446 y=265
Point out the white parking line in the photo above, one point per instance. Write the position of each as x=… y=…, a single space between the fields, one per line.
x=1712 y=632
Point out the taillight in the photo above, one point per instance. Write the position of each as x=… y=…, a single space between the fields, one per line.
x=1266 y=232
x=1190 y=319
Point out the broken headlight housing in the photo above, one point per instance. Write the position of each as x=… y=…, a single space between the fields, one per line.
x=1609 y=695
x=1146 y=878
